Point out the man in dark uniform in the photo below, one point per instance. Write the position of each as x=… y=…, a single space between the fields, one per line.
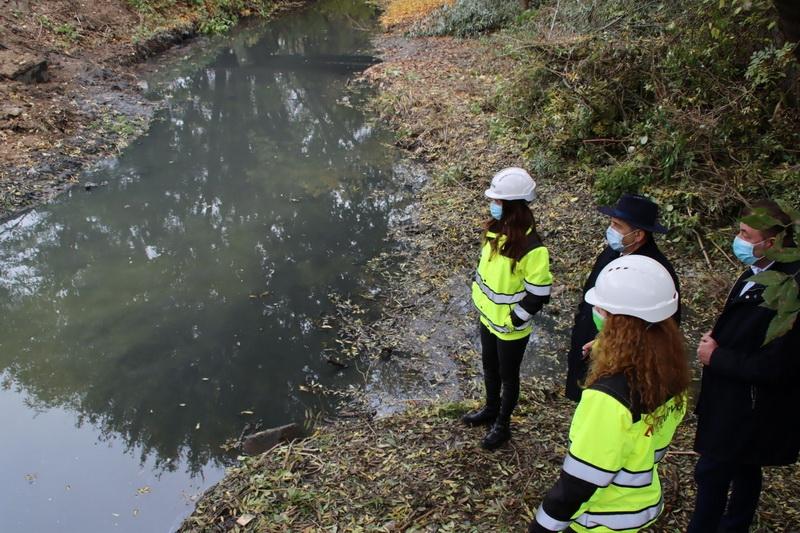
x=747 y=407
x=634 y=219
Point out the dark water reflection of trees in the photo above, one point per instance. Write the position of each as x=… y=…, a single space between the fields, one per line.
x=133 y=305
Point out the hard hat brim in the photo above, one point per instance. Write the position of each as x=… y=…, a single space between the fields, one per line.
x=590 y=297
x=657 y=313
x=494 y=196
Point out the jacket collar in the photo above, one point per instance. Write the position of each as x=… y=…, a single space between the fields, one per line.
x=755 y=289
x=758 y=270
x=646 y=249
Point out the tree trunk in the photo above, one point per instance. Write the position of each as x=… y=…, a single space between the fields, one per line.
x=789 y=17
x=789 y=22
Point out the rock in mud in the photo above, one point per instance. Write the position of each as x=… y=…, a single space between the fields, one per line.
x=264 y=440
x=24 y=67
x=10 y=111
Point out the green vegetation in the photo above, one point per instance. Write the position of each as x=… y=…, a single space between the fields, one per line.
x=469 y=17
x=118 y=128
x=211 y=16
x=65 y=30
x=782 y=290
x=693 y=103
x=696 y=104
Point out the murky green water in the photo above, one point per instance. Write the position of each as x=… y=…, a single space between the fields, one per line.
x=140 y=319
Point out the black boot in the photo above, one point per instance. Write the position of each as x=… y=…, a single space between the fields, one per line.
x=485 y=416
x=498 y=435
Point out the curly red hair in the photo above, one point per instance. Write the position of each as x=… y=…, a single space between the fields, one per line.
x=652 y=357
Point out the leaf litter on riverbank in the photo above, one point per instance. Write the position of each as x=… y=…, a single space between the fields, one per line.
x=423 y=470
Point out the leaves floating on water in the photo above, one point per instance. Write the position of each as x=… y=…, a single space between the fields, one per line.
x=254 y=296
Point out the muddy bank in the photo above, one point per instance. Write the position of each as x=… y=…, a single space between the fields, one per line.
x=69 y=85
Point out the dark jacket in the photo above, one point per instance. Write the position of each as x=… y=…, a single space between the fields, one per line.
x=584 y=329
x=750 y=394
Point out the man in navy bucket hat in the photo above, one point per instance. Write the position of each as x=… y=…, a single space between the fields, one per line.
x=634 y=220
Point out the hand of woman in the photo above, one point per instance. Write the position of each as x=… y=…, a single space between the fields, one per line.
x=586 y=349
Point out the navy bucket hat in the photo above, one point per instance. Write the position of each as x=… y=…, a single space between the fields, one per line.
x=637 y=210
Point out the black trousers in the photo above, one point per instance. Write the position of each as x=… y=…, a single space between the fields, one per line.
x=501 y=363
x=714 y=510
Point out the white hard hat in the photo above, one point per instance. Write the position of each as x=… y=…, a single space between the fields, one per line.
x=512 y=183
x=635 y=285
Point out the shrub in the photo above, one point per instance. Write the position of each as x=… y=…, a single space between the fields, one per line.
x=213 y=16
x=469 y=17
x=698 y=97
x=614 y=180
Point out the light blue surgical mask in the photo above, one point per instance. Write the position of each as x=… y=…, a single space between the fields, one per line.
x=496 y=210
x=743 y=250
x=614 y=239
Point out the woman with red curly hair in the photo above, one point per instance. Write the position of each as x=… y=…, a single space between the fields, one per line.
x=634 y=398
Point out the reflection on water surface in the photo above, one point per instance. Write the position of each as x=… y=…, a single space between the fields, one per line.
x=143 y=317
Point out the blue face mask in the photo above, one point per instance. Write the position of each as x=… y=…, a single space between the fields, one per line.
x=496 y=210
x=743 y=251
x=614 y=239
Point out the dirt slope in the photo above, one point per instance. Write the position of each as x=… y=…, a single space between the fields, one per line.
x=69 y=92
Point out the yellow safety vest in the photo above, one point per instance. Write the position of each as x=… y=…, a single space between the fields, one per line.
x=620 y=455
x=497 y=291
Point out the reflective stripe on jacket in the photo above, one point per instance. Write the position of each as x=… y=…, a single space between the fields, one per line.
x=497 y=291
x=609 y=480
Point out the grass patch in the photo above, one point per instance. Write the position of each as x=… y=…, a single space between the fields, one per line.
x=66 y=33
x=211 y=16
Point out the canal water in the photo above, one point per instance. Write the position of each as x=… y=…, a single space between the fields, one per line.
x=146 y=321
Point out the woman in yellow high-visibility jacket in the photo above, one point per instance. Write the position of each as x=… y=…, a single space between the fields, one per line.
x=633 y=400
x=512 y=283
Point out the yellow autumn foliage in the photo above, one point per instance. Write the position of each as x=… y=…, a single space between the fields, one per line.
x=406 y=11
